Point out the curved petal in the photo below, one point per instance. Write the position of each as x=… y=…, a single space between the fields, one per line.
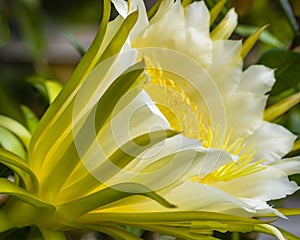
x=271 y=142
x=257 y=79
x=288 y=165
x=177 y=30
x=266 y=185
x=244 y=113
x=226 y=67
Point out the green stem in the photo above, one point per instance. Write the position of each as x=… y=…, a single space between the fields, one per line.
x=50 y=235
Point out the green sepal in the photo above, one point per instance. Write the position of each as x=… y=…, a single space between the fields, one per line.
x=81 y=72
x=18 y=129
x=81 y=206
x=30 y=118
x=120 y=37
x=216 y=10
x=250 y=41
x=9 y=188
x=19 y=166
x=119 y=158
x=10 y=142
x=154 y=9
x=278 y=109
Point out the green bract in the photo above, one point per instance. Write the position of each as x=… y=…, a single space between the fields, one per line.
x=105 y=155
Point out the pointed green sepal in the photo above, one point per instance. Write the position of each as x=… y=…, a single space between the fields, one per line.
x=109 y=195
x=281 y=107
x=19 y=166
x=216 y=10
x=251 y=40
x=9 y=188
x=18 y=129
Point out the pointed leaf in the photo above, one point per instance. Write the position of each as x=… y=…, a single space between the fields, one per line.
x=7 y=187
x=287 y=68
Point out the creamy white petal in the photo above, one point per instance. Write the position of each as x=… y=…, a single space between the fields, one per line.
x=265 y=185
x=289 y=165
x=244 y=112
x=262 y=207
x=196 y=196
x=226 y=27
x=121 y=7
x=172 y=31
x=257 y=79
x=226 y=67
x=197 y=16
x=271 y=141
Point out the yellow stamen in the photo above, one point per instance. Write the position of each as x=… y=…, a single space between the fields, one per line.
x=185 y=116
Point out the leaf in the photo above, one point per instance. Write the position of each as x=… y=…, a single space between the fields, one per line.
x=290 y=15
x=278 y=109
x=29 y=16
x=16 y=128
x=78 y=207
x=7 y=187
x=80 y=49
x=287 y=64
x=4 y=30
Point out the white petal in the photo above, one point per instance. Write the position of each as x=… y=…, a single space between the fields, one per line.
x=172 y=31
x=265 y=185
x=196 y=196
x=257 y=79
x=197 y=16
x=226 y=27
x=244 y=113
x=271 y=142
x=289 y=165
x=226 y=68
x=121 y=6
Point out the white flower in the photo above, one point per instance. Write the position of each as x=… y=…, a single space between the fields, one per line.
x=227 y=117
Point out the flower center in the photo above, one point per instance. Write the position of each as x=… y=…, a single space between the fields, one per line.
x=170 y=94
